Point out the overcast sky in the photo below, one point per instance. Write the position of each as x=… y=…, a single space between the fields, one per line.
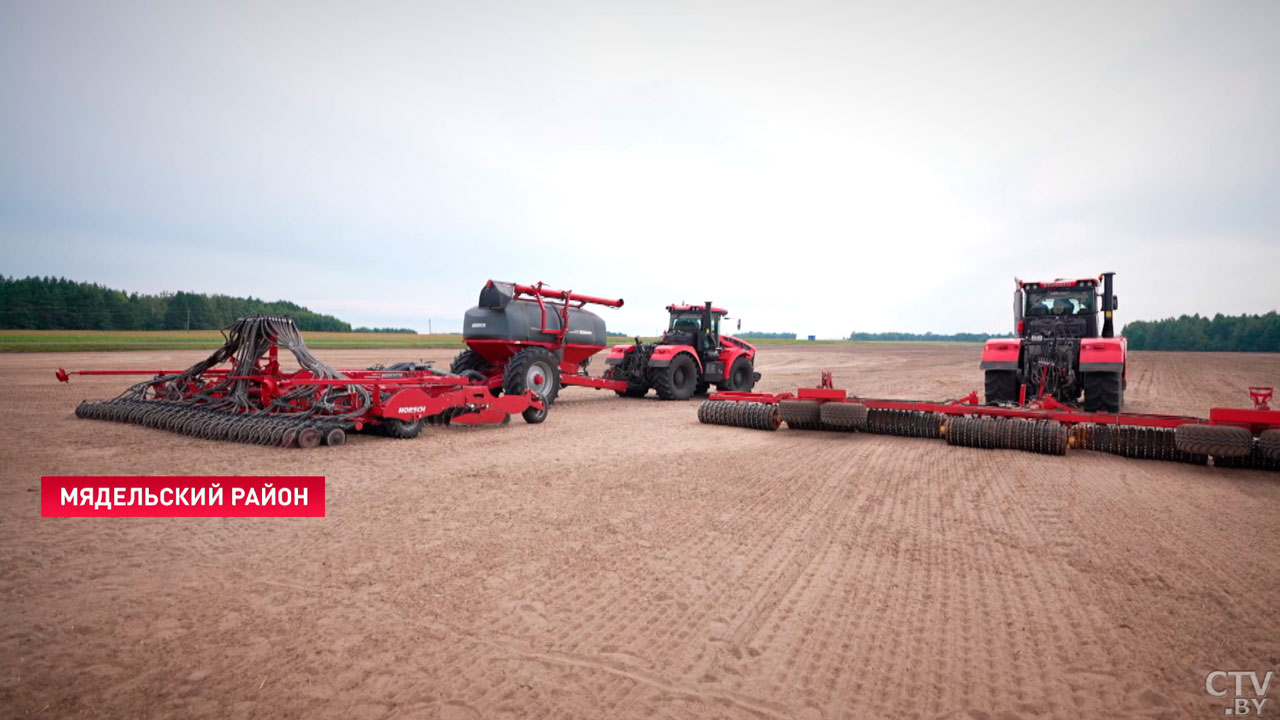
x=814 y=167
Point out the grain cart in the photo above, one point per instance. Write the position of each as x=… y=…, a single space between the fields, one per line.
x=531 y=338
x=1060 y=350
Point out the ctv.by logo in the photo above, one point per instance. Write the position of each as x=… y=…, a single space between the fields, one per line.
x=1243 y=706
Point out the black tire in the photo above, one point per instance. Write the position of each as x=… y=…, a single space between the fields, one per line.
x=533 y=415
x=623 y=372
x=469 y=360
x=742 y=376
x=676 y=381
x=402 y=429
x=634 y=389
x=1103 y=392
x=1269 y=444
x=472 y=365
x=528 y=364
x=1225 y=441
x=1001 y=387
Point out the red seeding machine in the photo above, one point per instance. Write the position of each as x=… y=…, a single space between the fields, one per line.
x=1229 y=437
x=523 y=338
x=240 y=393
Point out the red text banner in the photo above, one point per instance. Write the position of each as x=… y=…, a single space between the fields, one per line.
x=182 y=496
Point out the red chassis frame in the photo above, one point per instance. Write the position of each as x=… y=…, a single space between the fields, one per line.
x=414 y=394
x=1256 y=419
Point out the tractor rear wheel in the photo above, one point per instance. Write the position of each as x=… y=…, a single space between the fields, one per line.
x=533 y=369
x=1103 y=392
x=1001 y=387
x=634 y=389
x=742 y=375
x=676 y=381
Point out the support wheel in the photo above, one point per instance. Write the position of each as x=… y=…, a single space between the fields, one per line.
x=533 y=369
x=1001 y=387
x=403 y=429
x=1103 y=392
x=336 y=436
x=533 y=415
x=678 y=380
x=308 y=438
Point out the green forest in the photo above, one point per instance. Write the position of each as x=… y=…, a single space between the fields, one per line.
x=58 y=304
x=1231 y=333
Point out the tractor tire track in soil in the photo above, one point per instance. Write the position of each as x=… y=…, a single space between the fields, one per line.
x=622 y=560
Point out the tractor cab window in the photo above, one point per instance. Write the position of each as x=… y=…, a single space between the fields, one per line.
x=686 y=322
x=1060 y=302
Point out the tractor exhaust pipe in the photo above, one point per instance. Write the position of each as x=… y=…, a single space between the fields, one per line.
x=1108 y=305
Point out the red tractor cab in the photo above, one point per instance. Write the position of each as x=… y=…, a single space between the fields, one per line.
x=1060 y=350
x=692 y=356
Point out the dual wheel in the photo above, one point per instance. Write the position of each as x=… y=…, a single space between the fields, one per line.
x=1103 y=391
x=533 y=369
x=680 y=380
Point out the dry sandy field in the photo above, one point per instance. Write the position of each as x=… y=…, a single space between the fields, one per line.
x=624 y=561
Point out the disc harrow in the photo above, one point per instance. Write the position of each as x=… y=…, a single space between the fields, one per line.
x=1229 y=437
x=241 y=394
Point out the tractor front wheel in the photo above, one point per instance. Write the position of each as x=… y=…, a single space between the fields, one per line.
x=676 y=381
x=533 y=369
x=742 y=375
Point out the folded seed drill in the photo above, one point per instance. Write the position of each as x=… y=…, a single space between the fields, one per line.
x=240 y=393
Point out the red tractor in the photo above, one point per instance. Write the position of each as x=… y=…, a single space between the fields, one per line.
x=1060 y=351
x=691 y=356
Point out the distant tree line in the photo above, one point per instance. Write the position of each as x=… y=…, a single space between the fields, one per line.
x=1230 y=333
x=768 y=335
x=929 y=336
x=48 y=303
x=409 y=331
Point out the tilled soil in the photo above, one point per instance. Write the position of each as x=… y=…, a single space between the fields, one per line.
x=623 y=560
